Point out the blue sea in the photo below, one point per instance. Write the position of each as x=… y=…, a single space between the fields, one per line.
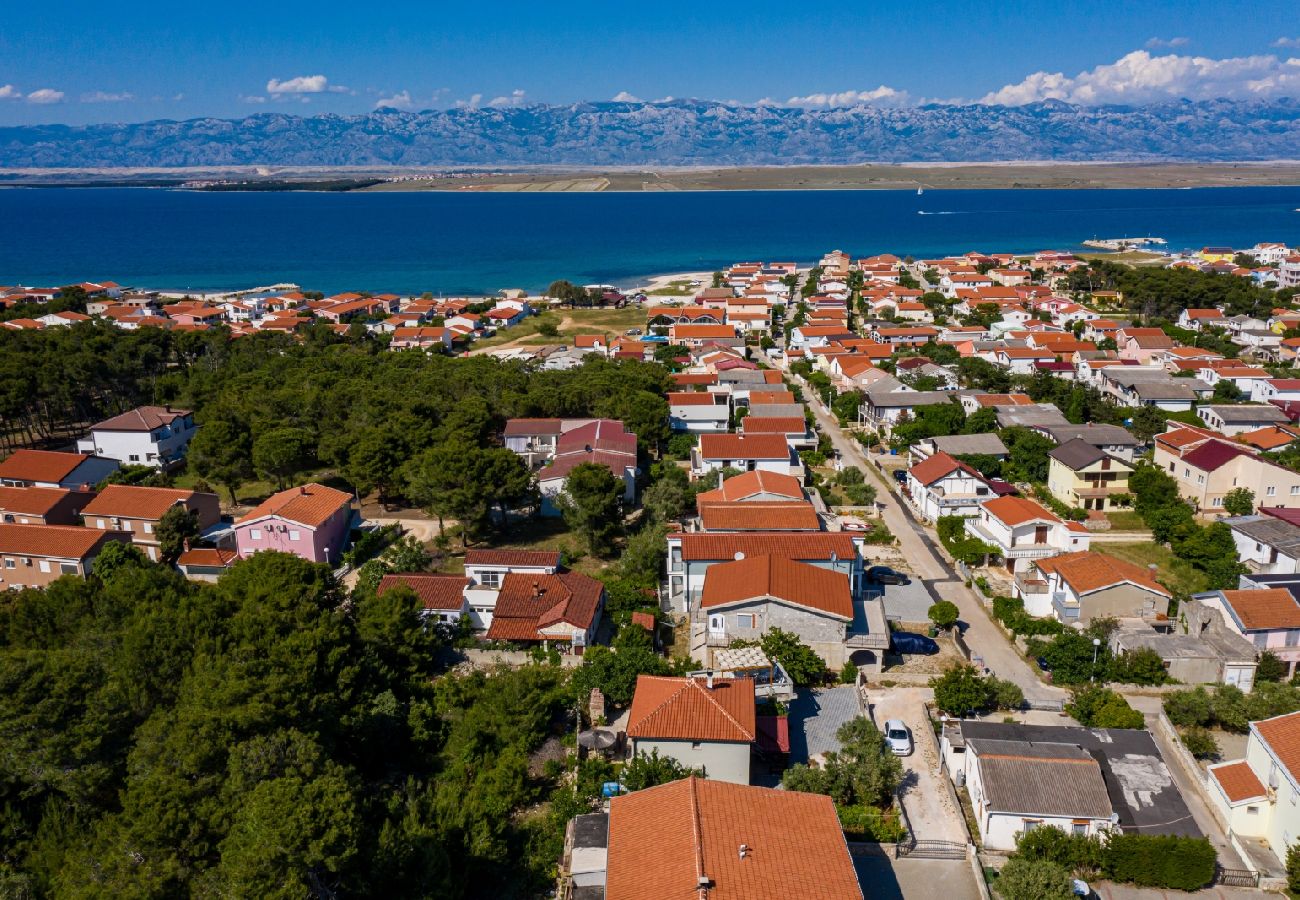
x=460 y=243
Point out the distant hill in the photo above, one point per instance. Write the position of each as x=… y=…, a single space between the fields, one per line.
x=680 y=133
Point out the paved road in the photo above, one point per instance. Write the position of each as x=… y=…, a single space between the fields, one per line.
x=930 y=810
x=883 y=878
x=926 y=559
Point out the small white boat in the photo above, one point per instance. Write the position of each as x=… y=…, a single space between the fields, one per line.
x=921 y=190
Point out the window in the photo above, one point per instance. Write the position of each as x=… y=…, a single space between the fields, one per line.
x=67 y=568
x=490 y=580
x=45 y=565
x=1079 y=827
x=1271 y=490
x=1293 y=637
x=99 y=523
x=1031 y=824
x=745 y=620
x=255 y=533
x=148 y=527
x=135 y=457
x=10 y=564
x=1295 y=489
x=695 y=745
x=1252 y=810
x=1261 y=640
x=1200 y=479
x=1187 y=473
x=295 y=535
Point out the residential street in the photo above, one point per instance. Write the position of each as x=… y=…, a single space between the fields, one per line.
x=984 y=638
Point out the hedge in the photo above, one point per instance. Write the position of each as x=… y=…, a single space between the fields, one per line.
x=1157 y=860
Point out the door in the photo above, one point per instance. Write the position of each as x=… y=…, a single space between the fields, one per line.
x=717 y=625
x=1040 y=534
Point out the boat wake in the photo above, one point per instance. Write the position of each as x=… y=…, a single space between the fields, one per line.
x=942 y=212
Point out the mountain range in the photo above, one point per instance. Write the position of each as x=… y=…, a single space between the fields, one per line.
x=687 y=132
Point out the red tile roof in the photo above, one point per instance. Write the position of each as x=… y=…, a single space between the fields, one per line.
x=739 y=446
x=818 y=546
x=527 y=604
x=695 y=398
x=930 y=470
x=34 y=501
x=60 y=541
x=797 y=515
x=781 y=425
x=525 y=427
x=46 y=466
x=664 y=840
x=780 y=578
x=1238 y=781
x=749 y=484
x=507 y=557
x=1014 y=511
x=1282 y=735
x=1213 y=455
x=132 y=502
x=309 y=504
x=212 y=557
x=1265 y=608
x=443 y=592
x=1090 y=571
x=143 y=418
x=686 y=709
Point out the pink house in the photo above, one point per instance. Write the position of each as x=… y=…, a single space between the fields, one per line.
x=311 y=521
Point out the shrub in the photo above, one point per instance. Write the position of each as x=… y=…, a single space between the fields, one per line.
x=1143 y=666
x=1099 y=707
x=961 y=690
x=1006 y=694
x=1161 y=861
x=1270 y=667
x=944 y=614
x=1293 y=868
x=866 y=823
x=1034 y=879
x=1188 y=708
x=1200 y=743
x=1079 y=853
x=848 y=674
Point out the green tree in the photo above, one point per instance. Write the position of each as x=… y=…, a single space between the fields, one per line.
x=961 y=690
x=863 y=771
x=220 y=452
x=1027 y=451
x=374 y=461
x=668 y=499
x=177 y=526
x=1142 y=666
x=592 y=505
x=1093 y=706
x=1293 y=868
x=1270 y=667
x=281 y=453
x=116 y=557
x=1033 y=879
x=944 y=614
x=1071 y=658
x=1189 y=707
x=1239 y=501
x=650 y=769
x=798 y=660
x=1200 y=742
x=1148 y=421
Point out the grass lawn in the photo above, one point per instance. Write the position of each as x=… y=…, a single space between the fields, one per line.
x=568 y=322
x=674 y=289
x=1176 y=574
x=1126 y=520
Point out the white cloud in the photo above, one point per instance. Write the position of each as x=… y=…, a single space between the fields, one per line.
x=103 y=97
x=625 y=97
x=474 y=101
x=9 y=92
x=881 y=96
x=178 y=98
x=1140 y=77
x=45 y=95
x=255 y=98
x=1287 y=42
x=515 y=98
x=304 y=84
x=399 y=100
x=1156 y=43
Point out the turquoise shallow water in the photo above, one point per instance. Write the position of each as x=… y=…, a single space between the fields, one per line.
x=455 y=243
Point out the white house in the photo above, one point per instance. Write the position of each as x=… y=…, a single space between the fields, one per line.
x=1259 y=795
x=942 y=486
x=487 y=570
x=1265 y=544
x=746 y=452
x=1023 y=531
x=156 y=436
x=699 y=412
x=702 y=722
x=1076 y=588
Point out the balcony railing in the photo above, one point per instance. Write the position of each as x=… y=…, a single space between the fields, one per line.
x=1030 y=585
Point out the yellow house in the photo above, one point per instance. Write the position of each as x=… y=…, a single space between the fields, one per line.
x=1216 y=254
x=1080 y=475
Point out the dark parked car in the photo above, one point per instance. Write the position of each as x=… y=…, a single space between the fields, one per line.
x=918 y=644
x=886 y=575
x=900 y=475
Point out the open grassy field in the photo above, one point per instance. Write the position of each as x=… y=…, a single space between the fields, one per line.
x=1176 y=574
x=568 y=322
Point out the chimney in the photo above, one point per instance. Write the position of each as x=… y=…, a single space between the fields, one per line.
x=708 y=679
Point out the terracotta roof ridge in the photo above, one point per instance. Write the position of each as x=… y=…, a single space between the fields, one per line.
x=722 y=709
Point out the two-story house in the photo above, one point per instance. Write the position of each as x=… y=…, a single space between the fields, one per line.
x=53 y=469
x=1076 y=588
x=1081 y=475
x=312 y=521
x=748 y=453
x=42 y=506
x=602 y=442
x=1022 y=531
x=1259 y=795
x=1234 y=420
x=942 y=486
x=487 y=569
x=1267 y=617
x=1206 y=469
x=561 y=611
x=703 y=722
x=696 y=412
x=139 y=510
x=155 y=436
x=35 y=555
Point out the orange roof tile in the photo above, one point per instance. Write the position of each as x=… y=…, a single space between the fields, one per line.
x=1238 y=781
x=60 y=541
x=34 y=501
x=773 y=425
x=1264 y=608
x=740 y=446
x=507 y=557
x=1017 y=510
x=1090 y=571
x=686 y=709
x=48 y=466
x=308 y=504
x=664 y=840
x=761 y=397
x=132 y=502
x=759 y=516
x=780 y=578
x=805 y=546
x=748 y=484
x=930 y=470
x=1282 y=735
x=442 y=592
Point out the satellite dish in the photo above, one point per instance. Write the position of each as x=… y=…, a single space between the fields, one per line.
x=740 y=554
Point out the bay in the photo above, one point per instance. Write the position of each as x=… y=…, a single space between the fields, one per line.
x=477 y=242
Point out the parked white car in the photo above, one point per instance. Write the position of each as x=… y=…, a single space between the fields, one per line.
x=898 y=737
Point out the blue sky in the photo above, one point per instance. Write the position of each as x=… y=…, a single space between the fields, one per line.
x=95 y=62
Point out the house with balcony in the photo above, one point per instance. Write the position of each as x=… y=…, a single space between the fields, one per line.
x=1022 y=531
x=1266 y=544
x=692 y=555
x=487 y=570
x=1081 y=475
x=748 y=453
x=1268 y=617
x=745 y=598
x=704 y=722
x=602 y=442
x=155 y=436
x=139 y=511
x=1076 y=588
x=561 y=611
x=942 y=486
x=699 y=412
x=1259 y=795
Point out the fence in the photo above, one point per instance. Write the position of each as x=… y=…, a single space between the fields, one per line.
x=1236 y=877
